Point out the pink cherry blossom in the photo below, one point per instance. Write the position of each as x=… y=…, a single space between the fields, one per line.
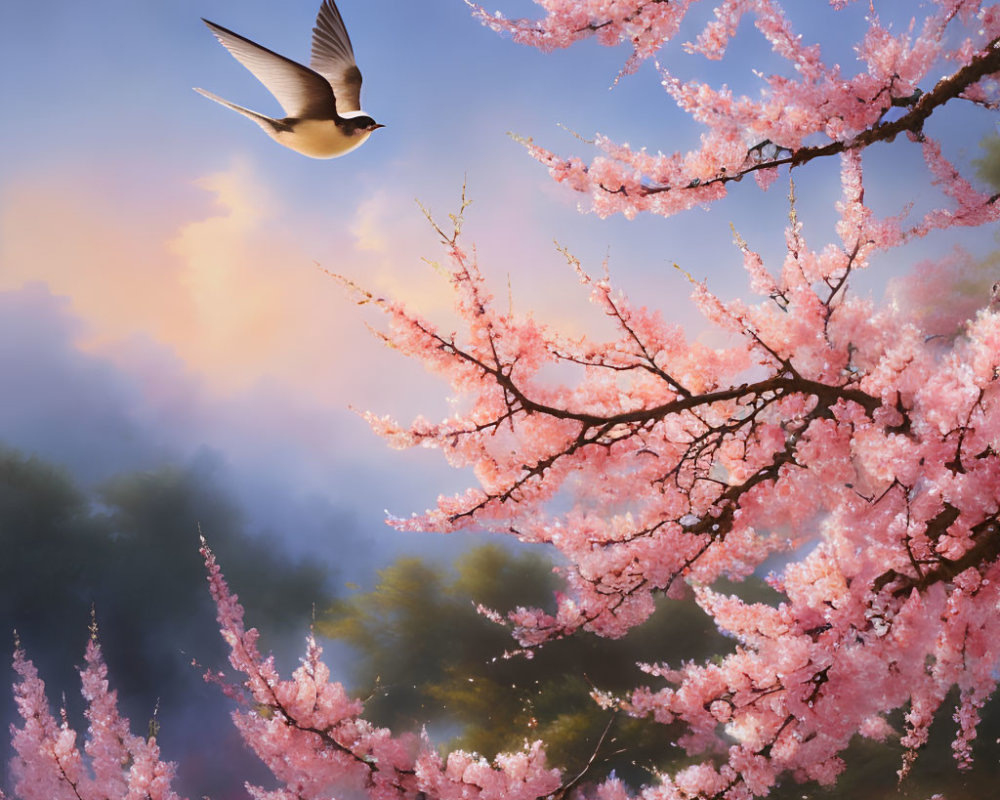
x=312 y=737
x=813 y=110
x=114 y=764
x=839 y=423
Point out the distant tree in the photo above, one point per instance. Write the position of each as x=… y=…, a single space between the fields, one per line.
x=988 y=165
x=427 y=656
x=126 y=550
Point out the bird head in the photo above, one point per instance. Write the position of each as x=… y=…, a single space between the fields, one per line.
x=364 y=124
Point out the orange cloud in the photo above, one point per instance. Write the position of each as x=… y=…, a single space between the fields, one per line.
x=218 y=277
x=230 y=293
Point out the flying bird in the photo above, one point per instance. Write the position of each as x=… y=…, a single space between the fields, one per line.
x=322 y=101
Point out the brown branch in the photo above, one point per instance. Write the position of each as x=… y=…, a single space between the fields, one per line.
x=593 y=27
x=775 y=387
x=827 y=394
x=986 y=548
x=563 y=790
x=983 y=65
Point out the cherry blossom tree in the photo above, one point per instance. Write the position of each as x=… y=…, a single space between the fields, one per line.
x=421 y=654
x=114 y=763
x=311 y=734
x=830 y=430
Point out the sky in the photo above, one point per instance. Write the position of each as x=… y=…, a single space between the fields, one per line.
x=163 y=298
x=160 y=257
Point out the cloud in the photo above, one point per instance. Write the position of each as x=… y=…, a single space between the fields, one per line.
x=226 y=277
x=83 y=412
x=369 y=227
x=150 y=329
x=229 y=292
x=163 y=321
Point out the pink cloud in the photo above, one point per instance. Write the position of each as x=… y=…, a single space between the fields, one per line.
x=230 y=293
x=223 y=279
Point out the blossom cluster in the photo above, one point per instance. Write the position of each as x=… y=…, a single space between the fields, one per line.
x=812 y=109
x=113 y=765
x=837 y=432
x=312 y=737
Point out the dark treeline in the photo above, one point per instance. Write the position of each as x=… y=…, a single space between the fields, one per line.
x=423 y=655
x=130 y=550
x=427 y=656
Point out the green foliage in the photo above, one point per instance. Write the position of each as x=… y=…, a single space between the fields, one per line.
x=439 y=661
x=130 y=549
x=988 y=167
x=442 y=663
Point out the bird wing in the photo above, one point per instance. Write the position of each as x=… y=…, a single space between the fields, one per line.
x=333 y=57
x=301 y=91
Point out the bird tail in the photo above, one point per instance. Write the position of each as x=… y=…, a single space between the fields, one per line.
x=267 y=123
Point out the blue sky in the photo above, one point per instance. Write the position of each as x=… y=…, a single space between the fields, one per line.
x=158 y=253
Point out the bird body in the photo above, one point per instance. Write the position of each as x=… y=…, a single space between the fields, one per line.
x=322 y=102
x=320 y=138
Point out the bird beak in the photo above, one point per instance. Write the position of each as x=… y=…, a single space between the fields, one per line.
x=377 y=125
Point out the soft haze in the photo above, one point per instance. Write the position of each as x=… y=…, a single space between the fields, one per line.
x=158 y=254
